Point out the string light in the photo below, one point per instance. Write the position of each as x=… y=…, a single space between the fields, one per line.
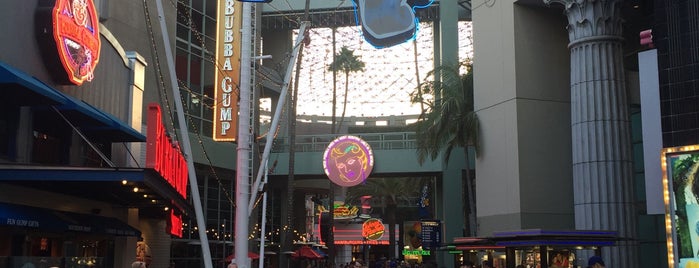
x=385 y=85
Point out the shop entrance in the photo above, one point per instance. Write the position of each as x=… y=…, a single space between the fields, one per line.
x=534 y=248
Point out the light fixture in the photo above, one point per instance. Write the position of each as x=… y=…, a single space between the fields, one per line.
x=135 y=189
x=123 y=182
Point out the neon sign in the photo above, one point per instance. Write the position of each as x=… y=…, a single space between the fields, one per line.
x=387 y=23
x=419 y=252
x=373 y=229
x=348 y=161
x=228 y=24
x=164 y=156
x=74 y=27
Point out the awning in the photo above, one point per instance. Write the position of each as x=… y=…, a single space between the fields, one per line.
x=536 y=238
x=306 y=252
x=23 y=89
x=91 y=119
x=104 y=184
x=60 y=221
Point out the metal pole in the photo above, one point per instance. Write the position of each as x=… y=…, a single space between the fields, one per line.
x=278 y=111
x=242 y=192
x=263 y=222
x=184 y=136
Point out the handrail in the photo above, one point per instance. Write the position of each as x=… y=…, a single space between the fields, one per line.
x=377 y=141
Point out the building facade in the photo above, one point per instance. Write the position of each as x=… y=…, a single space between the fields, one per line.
x=560 y=80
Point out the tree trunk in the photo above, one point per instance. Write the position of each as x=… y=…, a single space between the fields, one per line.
x=344 y=105
x=391 y=220
x=332 y=126
x=471 y=197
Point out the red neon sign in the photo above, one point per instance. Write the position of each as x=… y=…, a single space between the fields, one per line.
x=175 y=224
x=164 y=157
x=74 y=26
x=373 y=229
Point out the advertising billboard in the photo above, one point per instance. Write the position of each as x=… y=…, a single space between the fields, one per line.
x=348 y=161
x=681 y=195
x=227 y=76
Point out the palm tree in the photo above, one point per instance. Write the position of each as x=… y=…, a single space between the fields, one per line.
x=346 y=62
x=391 y=191
x=448 y=122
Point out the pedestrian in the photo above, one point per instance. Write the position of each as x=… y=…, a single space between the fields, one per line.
x=488 y=264
x=595 y=262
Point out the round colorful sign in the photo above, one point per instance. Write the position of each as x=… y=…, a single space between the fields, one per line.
x=348 y=161
x=373 y=229
x=76 y=33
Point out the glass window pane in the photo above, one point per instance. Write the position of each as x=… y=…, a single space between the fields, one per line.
x=207 y=128
x=211 y=8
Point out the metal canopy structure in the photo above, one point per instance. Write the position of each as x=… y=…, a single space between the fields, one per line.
x=536 y=239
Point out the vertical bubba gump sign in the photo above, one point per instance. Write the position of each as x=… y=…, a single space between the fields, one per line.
x=227 y=75
x=164 y=156
x=68 y=34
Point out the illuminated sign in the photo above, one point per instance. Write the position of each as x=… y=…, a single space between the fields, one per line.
x=352 y=234
x=373 y=229
x=348 y=161
x=342 y=211
x=175 y=224
x=680 y=167
x=361 y=242
x=68 y=30
x=419 y=252
x=430 y=233
x=164 y=156
x=387 y=23
x=227 y=74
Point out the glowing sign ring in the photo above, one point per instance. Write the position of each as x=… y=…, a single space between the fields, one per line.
x=348 y=161
x=76 y=32
x=373 y=229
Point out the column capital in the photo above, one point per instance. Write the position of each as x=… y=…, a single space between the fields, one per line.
x=592 y=19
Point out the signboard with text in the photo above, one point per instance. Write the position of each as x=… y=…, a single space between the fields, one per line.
x=227 y=70
x=164 y=156
x=681 y=194
x=431 y=233
x=68 y=33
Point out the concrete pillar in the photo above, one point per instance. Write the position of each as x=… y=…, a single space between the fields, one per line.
x=602 y=171
x=448 y=47
x=343 y=255
x=137 y=64
x=155 y=235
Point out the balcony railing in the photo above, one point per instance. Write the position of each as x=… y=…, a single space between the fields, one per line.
x=377 y=141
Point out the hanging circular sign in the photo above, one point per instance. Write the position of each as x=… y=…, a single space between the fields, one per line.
x=373 y=229
x=348 y=161
x=74 y=27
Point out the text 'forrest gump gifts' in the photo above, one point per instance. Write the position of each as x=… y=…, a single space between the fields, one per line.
x=227 y=71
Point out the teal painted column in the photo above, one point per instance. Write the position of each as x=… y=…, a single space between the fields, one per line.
x=448 y=33
x=450 y=209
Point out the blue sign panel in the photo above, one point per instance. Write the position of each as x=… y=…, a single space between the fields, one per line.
x=431 y=233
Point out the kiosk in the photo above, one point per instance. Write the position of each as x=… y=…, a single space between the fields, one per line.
x=535 y=248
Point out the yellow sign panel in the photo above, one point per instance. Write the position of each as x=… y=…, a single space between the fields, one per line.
x=227 y=69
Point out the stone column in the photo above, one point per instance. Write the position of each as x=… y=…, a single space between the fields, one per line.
x=602 y=160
